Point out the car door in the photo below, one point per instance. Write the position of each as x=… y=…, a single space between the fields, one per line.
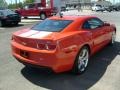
x=95 y=27
x=32 y=9
x=28 y=10
x=36 y=9
x=25 y=11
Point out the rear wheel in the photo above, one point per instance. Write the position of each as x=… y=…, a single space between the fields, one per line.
x=16 y=23
x=1 y=24
x=43 y=16
x=81 y=61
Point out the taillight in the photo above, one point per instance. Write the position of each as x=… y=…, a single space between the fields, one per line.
x=46 y=46
x=41 y=46
x=51 y=47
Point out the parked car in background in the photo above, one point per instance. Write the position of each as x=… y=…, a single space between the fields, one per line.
x=42 y=9
x=97 y=8
x=118 y=7
x=112 y=8
x=62 y=43
x=70 y=8
x=64 y=9
x=9 y=17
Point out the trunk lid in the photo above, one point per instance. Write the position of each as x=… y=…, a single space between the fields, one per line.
x=36 y=39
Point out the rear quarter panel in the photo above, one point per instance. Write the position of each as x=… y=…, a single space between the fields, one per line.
x=71 y=43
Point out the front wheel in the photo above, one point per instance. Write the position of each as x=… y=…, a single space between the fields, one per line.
x=16 y=23
x=81 y=61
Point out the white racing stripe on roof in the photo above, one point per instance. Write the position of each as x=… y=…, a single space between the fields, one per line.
x=26 y=34
x=41 y=34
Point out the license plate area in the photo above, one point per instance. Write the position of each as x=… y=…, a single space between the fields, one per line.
x=24 y=54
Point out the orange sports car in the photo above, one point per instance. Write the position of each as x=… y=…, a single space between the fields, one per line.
x=62 y=43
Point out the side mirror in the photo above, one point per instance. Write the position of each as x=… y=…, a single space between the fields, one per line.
x=106 y=24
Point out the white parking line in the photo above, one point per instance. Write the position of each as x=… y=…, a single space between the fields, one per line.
x=1 y=28
x=30 y=20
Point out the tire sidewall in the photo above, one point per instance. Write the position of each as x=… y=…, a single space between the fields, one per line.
x=75 y=69
x=41 y=16
x=1 y=24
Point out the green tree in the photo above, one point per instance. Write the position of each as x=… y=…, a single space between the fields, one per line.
x=3 y=4
x=13 y=6
x=29 y=1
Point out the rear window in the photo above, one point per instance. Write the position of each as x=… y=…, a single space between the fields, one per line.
x=52 y=25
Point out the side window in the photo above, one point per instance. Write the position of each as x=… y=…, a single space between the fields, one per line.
x=31 y=6
x=95 y=23
x=86 y=25
x=39 y=5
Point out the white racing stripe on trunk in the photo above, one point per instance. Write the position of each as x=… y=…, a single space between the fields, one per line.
x=41 y=34
x=26 y=34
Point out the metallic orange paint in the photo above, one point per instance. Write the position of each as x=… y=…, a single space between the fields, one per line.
x=67 y=43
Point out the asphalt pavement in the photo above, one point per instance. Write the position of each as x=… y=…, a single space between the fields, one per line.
x=103 y=72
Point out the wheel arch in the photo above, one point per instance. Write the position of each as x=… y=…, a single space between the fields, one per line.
x=74 y=64
x=86 y=45
x=42 y=12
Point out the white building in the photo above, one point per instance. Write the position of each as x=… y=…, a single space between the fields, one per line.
x=112 y=1
x=102 y=2
x=73 y=3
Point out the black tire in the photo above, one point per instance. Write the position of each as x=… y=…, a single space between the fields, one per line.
x=43 y=16
x=1 y=24
x=16 y=23
x=77 y=68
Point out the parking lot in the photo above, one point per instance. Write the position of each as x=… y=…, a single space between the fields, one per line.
x=103 y=72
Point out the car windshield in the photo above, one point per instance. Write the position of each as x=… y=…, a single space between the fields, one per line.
x=52 y=25
x=8 y=12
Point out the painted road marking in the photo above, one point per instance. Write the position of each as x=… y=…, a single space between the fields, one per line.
x=2 y=28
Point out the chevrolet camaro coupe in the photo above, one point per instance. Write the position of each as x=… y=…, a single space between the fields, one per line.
x=62 y=43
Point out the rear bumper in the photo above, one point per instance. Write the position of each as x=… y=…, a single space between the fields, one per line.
x=33 y=65
x=54 y=60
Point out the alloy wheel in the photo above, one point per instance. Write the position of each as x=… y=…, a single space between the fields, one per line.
x=43 y=16
x=83 y=60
